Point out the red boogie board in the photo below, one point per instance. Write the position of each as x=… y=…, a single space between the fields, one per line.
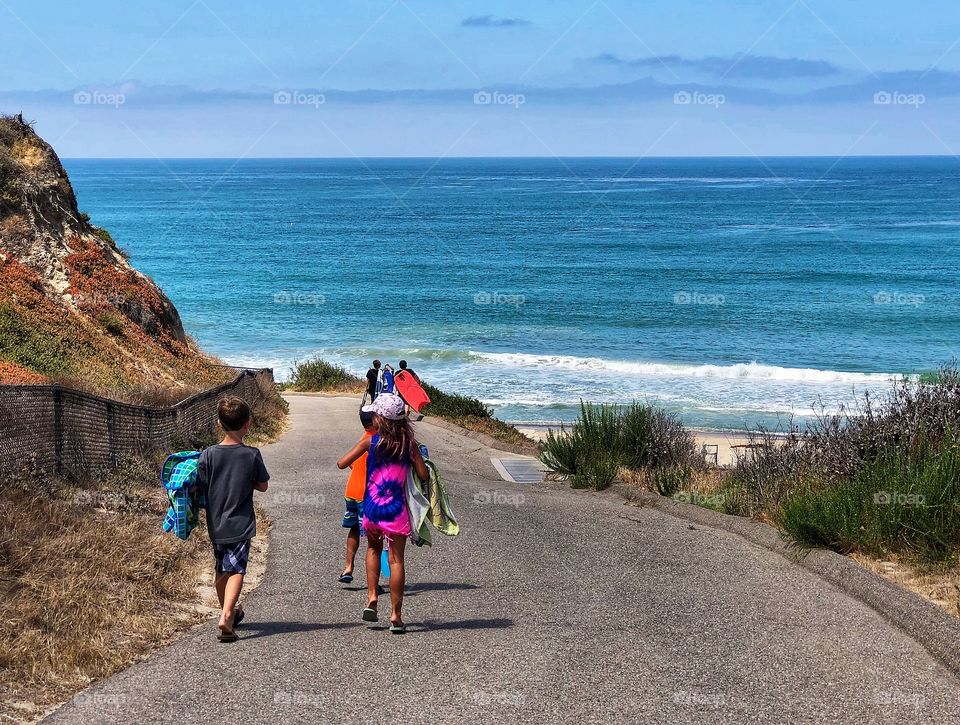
x=410 y=390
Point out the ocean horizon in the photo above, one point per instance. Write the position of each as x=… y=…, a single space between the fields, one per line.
x=735 y=292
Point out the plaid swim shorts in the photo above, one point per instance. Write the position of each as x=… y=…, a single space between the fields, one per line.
x=351 y=513
x=232 y=558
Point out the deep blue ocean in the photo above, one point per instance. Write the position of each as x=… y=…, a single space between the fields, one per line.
x=735 y=292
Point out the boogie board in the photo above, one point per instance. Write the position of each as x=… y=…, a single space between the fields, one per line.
x=410 y=390
x=385 y=381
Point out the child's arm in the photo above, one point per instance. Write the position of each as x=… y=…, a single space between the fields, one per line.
x=260 y=475
x=423 y=473
x=363 y=445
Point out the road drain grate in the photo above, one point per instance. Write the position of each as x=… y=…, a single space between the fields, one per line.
x=519 y=470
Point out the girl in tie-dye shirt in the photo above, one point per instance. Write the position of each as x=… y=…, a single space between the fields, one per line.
x=391 y=452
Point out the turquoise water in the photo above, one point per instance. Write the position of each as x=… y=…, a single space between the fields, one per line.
x=736 y=292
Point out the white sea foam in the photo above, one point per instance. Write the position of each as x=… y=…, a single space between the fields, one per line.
x=751 y=370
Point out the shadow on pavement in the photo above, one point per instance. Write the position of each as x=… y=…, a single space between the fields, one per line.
x=436 y=587
x=494 y=623
x=265 y=629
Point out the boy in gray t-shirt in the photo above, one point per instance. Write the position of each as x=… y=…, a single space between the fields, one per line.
x=228 y=474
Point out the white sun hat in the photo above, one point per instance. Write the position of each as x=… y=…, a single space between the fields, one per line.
x=387 y=405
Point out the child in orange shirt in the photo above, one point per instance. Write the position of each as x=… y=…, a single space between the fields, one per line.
x=353 y=500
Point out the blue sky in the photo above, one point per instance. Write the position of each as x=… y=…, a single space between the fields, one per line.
x=417 y=78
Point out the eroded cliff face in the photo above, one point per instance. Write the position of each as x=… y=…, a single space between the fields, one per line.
x=71 y=305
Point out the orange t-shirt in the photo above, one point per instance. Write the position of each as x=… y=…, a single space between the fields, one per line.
x=357 y=482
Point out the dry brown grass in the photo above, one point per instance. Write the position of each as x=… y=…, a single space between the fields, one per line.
x=88 y=582
x=269 y=414
x=28 y=154
x=940 y=587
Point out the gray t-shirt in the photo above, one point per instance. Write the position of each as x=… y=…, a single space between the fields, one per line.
x=226 y=475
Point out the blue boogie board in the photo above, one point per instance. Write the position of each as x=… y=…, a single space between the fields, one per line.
x=385 y=382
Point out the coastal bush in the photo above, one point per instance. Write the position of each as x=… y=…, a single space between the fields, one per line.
x=599 y=471
x=926 y=409
x=670 y=480
x=633 y=436
x=770 y=467
x=450 y=405
x=318 y=375
x=902 y=503
x=836 y=447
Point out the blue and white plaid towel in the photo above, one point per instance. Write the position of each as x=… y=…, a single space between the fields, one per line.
x=179 y=475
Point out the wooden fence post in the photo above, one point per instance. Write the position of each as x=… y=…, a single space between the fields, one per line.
x=58 y=430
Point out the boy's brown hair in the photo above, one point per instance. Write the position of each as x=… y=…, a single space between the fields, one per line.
x=233 y=413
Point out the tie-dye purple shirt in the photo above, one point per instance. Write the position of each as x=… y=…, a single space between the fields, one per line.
x=384 y=504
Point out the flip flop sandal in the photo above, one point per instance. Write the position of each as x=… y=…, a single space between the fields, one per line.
x=398 y=629
x=345 y=578
x=238 y=617
x=370 y=615
x=227 y=637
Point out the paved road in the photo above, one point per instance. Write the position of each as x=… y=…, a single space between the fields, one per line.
x=552 y=606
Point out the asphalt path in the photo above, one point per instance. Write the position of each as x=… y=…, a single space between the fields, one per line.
x=551 y=606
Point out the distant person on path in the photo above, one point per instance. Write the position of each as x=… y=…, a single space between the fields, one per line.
x=227 y=475
x=353 y=499
x=403 y=366
x=391 y=452
x=373 y=377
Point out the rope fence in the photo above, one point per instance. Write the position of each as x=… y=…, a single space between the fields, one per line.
x=67 y=432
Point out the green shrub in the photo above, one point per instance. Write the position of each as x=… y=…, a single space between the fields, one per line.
x=906 y=504
x=668 y=481
x=448 y=405
x=318 y=375
x=598 y=471
x=634 y=436
x=733 y=499
x=560 y=452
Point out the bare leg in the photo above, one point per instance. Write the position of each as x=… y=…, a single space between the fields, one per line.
x=221 y=583
x=397 y=577
x=231 y=584
x=353 y=545
x=374 y=547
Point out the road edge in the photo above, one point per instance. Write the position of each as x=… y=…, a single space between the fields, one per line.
x=924 y=621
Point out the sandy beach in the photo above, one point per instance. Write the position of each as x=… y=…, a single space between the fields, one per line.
x=727 y=442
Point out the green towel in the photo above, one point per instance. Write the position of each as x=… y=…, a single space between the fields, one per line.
x=440 y=514
x=418 y=508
